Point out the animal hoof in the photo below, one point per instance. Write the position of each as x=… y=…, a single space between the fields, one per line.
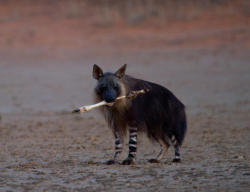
x=128 y=161
x=110 y=162
x=176 y=160
x=153 y=161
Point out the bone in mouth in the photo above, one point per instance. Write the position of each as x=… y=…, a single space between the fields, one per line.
x=131 y=95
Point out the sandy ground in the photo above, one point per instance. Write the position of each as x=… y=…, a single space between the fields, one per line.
x=43 y=147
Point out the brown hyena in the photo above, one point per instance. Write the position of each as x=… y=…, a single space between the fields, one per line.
x=158 y=113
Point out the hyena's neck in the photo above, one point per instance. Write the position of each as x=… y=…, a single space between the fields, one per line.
x=117 y=114
x=122 y=104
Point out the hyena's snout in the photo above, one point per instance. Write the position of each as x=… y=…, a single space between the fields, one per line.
x=109 y=95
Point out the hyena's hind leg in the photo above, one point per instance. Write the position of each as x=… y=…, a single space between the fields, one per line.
x=177 y=156
x=118 y=149
x=162 y=153
x=178 y=136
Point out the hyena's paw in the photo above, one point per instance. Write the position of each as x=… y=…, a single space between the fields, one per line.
x=153 y=161
x=129 y=161
x=110 y=162
x=176 y=160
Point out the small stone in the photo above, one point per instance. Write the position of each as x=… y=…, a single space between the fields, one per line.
x=238 y=157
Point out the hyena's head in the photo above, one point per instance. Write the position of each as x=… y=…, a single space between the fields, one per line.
x=109 y=85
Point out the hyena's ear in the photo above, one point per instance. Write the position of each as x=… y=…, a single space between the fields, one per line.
x=97 y=72
x=121 y=72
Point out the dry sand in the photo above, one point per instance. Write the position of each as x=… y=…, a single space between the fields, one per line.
x=43 y=147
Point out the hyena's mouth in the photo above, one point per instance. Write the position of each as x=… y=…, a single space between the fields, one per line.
x=110 y=104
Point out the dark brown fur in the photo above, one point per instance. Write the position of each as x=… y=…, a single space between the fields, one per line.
x=158 y=113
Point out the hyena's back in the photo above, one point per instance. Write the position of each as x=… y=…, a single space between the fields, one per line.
x=159 y=113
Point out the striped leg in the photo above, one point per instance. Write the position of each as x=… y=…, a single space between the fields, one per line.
x=118 y=149
x=132 y=147
x=162 y=153
x=177 y=157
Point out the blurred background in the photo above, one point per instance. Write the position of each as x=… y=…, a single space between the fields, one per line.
x=198 y=48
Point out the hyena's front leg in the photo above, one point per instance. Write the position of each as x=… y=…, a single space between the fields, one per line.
x=132 y=147
x=118 y=149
